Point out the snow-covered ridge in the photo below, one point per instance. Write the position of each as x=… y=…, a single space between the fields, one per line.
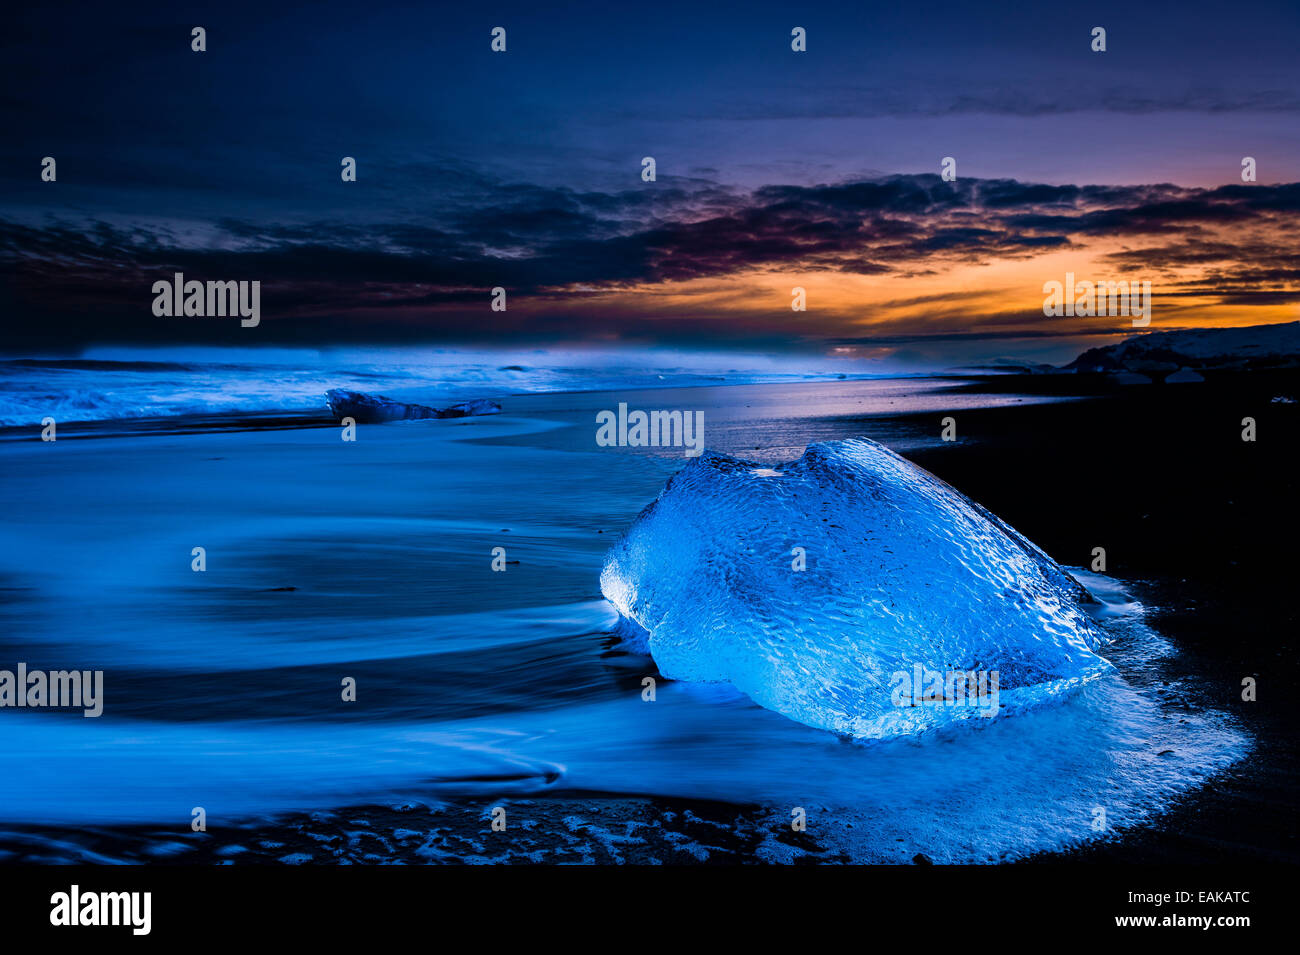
x=1214 y=348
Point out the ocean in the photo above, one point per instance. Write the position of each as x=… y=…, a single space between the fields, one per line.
x=327 y=561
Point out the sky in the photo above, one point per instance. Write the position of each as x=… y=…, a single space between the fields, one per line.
x=523 y=170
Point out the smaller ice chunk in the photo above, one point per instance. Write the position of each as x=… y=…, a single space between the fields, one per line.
x=370 y=409
x=812 y=586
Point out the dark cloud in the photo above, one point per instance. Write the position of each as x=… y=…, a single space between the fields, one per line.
x=548 y=244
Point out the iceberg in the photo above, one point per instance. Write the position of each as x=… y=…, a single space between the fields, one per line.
x=815 y=586
x=369 y=409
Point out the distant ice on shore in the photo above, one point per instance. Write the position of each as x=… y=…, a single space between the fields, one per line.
x=377 y=408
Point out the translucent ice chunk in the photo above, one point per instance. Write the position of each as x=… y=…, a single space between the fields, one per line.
x=822 y=588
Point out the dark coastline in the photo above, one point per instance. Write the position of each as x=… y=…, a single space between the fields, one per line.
x=1205 y=524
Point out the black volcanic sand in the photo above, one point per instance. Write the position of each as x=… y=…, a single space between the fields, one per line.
x=568 y=829
x=1203 y=524
x=1199 y=525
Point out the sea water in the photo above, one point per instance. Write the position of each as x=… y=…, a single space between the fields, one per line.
x=372 y=560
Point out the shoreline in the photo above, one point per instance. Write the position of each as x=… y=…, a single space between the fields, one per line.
x=1212 y=566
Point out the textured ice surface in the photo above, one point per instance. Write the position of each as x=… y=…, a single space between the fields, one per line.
x=901 y=571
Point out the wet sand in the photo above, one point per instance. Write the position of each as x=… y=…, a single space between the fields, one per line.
x=1196 y=521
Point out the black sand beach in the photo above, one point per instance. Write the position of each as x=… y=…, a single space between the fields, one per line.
x=1204 y=524
x=1197 y=523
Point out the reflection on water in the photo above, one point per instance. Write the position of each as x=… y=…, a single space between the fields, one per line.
x=372 y=560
